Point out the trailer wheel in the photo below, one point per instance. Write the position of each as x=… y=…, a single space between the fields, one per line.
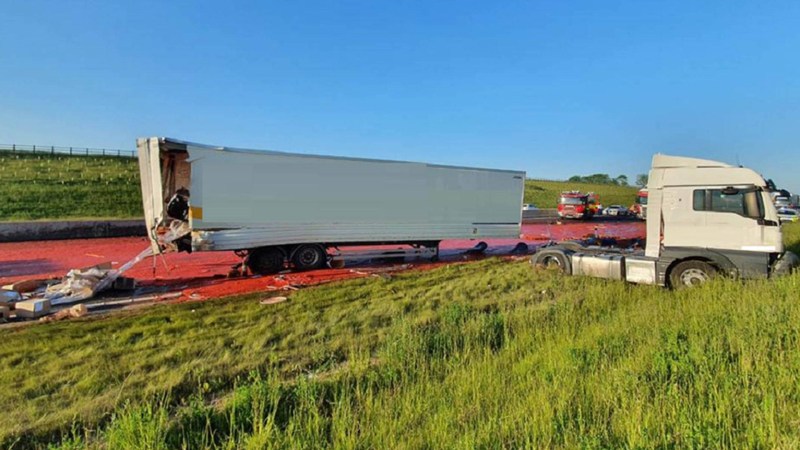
x=552 y=259
x=691 y=273
x=309 y=257
x=266 y=260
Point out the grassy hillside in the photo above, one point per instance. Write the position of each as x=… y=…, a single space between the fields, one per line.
x=544 y=194
x=487 y=354
x=34 y=187
x=49 y=187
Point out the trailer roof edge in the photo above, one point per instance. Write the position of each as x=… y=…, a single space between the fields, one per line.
x=183 y=145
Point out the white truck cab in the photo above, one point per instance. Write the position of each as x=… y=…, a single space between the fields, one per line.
x=704 y=218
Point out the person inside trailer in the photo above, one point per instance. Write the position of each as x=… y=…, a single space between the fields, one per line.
x=178 y=208
x=178 y=205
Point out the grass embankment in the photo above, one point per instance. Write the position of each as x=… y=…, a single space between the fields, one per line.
x=57 y=187
x=37 y=187
x=544 y=194
x=487 y=354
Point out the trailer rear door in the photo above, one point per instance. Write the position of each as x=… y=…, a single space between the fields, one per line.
x=152 y=195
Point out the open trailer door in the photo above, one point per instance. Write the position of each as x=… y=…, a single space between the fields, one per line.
x=152 y=192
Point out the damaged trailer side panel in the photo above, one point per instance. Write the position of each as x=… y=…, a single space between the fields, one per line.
x=246 y=199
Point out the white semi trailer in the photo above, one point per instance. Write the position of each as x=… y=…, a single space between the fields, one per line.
x=278 y=208
x=704 y=218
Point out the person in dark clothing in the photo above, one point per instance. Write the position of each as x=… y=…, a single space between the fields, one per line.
x=178 y=205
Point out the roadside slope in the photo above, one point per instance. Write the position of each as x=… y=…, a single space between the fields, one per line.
x=50 y=187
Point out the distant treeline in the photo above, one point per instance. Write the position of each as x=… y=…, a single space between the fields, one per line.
x=604 y=178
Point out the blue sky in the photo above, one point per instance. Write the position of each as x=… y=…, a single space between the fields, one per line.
x=551 y=87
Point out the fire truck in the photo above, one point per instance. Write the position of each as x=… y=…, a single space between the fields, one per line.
x=639 y=209
x=578 y=205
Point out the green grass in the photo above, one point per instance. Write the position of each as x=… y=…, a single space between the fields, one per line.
x=38 y=187
x=487 y=354
x=57 y=187
x=544 y=194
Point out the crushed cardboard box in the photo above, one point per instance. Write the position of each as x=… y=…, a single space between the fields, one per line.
x=82 y=284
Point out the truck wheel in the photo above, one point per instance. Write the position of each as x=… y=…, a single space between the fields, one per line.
x=691 y=273
x=552 y=259
x=266 y=260
x=309 y=257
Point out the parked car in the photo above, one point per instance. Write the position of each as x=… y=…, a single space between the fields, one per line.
x=788 y=215
x=783 y=202
x=529 y=207
x=616 y=210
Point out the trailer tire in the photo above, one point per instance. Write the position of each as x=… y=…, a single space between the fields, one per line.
x=309 y=257
x=552 y=258
x=691 y=273
x=266 y=260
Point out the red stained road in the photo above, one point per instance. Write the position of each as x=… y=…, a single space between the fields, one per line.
x=203 y=275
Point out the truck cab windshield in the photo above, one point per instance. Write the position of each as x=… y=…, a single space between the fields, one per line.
x=572 y=201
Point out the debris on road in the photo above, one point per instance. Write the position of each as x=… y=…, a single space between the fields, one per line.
x=83 y=284
x=377 y=270
x=273 y=300
x=78 y=310
x=79 y=284
x=75 y=311
x=124 y=284
x=132 y=301
x=32 y=309
x=9 y=296
x=26 y=286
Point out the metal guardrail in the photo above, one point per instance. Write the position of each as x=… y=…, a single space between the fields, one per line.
x=53 y=150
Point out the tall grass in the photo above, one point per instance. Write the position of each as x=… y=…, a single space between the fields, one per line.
x=624 y=367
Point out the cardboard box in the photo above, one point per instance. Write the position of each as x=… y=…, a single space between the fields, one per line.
x=32 y=309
